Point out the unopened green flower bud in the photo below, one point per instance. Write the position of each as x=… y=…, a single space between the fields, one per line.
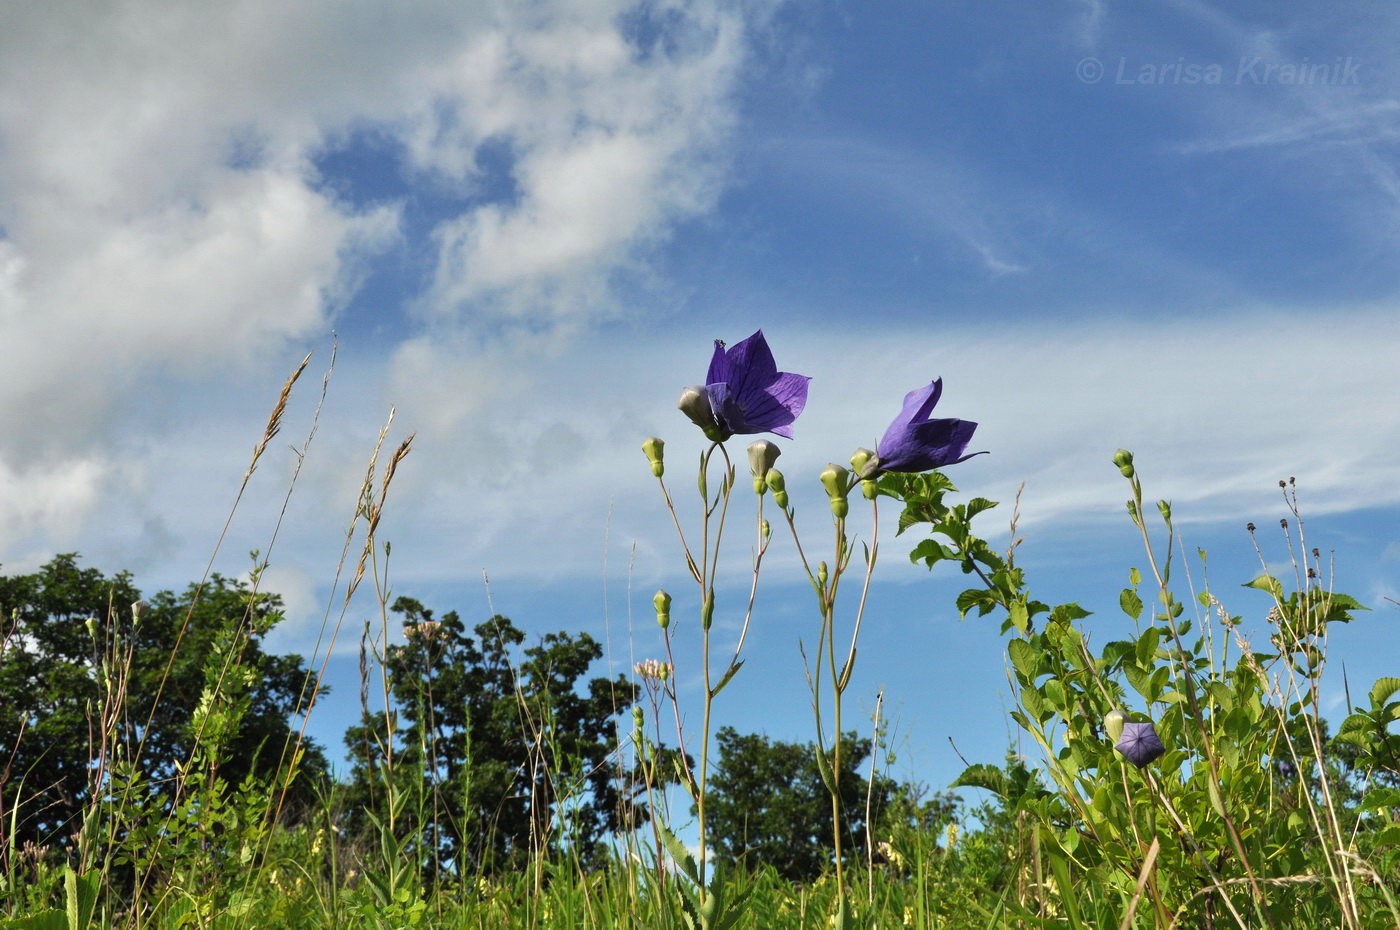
x=1124 y=460
x=833 y=478
x=92 y=627
x=1113 y=724
x=762 y=455
x=707 y=611
x=662 y=601
x=862 y=462
x=1132 y=510
x=781 y=499
x=637 y=717
x=695 y=403
x=775 y=480
x=869 y=489
x=139 y=609
x=822 y=574
x=767 y=530
x=1165 y=509
x=655 y=450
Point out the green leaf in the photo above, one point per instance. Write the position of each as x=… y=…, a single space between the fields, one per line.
x=987 y=777
x=1383 y=690
x=1131 y=604
x=1140 y=680
x=1380 y=798
x=1020 y=617
x=1023 y=656
x=679 y=853
x=1034 y=703
x=1146 y=650
x=824 y=769
x=1066 y=613
x=1267 y=583
x=728 y=677
x=977 y=505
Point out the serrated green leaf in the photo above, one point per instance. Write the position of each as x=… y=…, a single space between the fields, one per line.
x=1019 y=617
x=977 y=505
x=1267 y=583
x=1140 y=680
x=1023 y=657
x=1383 y=690
x=1379 y=798
x=679 y=853
x=1033 y=703
x=987 y=777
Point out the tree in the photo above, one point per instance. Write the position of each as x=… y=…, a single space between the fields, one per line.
x=70 y=631
x=766 y=803
x=488 y=762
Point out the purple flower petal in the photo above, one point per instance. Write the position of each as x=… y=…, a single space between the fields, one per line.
x=749 y=394
x=915 y=443
x=1140 y=744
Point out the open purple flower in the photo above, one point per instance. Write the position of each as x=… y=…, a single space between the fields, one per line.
x=915 y=442
x=1140 y=744
x=747 y=393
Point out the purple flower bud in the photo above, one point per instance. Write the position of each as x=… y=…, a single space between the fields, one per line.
x=1140 y=744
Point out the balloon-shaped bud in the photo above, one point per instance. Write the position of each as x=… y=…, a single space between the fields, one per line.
x=762 y=455
x=869 y=489
x=863 y=462
x=1113 y=724
x=91 y=625
x=767 y=530
x=638 y=717
x=695 y=404
x=662 y=601
x=778 y=486
x=655 y=450
x=1124 y=460
x=833 y=478
x=822 y=574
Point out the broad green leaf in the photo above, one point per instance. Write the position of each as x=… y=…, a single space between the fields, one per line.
x=1383 y=690
x=1147 y=646
x=1023 y=657
x=984 y=776
x=1380 y=798
x=1020 y=617
x=1034 y=703
x=977 y=505
x=1131 y=604
x=1140 y=680
x=1267 y=583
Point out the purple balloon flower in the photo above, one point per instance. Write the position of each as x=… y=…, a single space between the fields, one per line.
x=1140 y=744
x=748 y=394
x=915 y=442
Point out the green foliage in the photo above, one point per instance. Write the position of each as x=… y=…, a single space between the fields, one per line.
x=501 y=763
x=60 y=685
x=1241 y=820
x=768 y=805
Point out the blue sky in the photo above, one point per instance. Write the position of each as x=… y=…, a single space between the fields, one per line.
x=1164 y=226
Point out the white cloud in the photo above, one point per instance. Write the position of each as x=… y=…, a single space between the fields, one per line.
x=162 y=223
